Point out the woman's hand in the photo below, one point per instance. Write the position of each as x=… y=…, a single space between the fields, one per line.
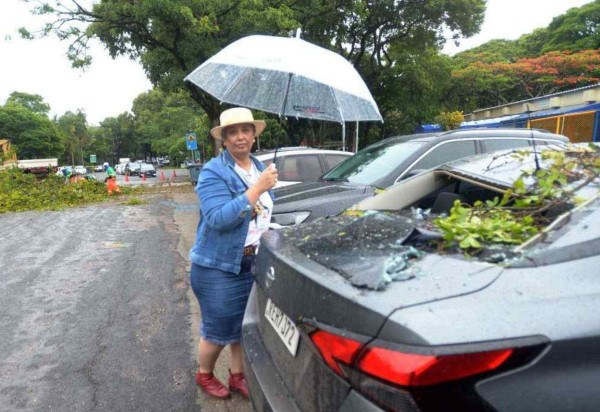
x=267 y=179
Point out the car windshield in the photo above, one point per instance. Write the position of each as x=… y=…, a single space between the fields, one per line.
x=373 y=163
x=147 y=167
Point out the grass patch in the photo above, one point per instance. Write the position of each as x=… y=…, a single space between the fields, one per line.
x=21 y=192
x=133 y=201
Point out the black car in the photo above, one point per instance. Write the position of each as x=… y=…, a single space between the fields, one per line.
x=146 y=169
x=370 y=310
x=385 y=163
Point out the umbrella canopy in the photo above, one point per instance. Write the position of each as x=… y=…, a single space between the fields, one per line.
x=289 y=77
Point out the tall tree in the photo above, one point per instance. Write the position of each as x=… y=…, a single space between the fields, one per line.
x=33 y=102
x=119 y=132
x=172 y=37
x=162 y=119
x=503 y=82
x=74 y=135
x=577 y=29
x=33 y=134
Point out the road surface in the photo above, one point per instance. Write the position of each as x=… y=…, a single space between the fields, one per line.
x=96 y=313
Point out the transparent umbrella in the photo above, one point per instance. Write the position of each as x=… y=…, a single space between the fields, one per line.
x=289 y=77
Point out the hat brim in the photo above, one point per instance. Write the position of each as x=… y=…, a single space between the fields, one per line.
x=259 y=125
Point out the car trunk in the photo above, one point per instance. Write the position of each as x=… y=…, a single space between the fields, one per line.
x=287 y=276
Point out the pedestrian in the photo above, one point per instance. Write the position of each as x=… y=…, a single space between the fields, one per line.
x=111 y=181
x=67 y=173
x=234 y=191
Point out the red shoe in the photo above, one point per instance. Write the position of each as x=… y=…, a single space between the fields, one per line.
x=211 y=385
x=237 y=383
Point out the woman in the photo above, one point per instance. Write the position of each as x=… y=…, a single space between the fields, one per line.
x=234 y=190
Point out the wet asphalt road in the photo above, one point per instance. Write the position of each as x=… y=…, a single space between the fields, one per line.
x=162 y=176
x=96 y=312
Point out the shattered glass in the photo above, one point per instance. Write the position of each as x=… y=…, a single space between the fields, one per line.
x=368 y=250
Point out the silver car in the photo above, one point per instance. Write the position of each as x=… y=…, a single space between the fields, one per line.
x=302 y=164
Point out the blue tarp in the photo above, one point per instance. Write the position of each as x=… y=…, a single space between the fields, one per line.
x=428 y=128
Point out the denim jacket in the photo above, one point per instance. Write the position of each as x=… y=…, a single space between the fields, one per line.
x=225 y=215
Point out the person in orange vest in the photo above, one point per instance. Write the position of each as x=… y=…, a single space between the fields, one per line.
x=111 y=181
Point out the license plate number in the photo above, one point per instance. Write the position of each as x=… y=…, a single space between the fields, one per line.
x=283 y=325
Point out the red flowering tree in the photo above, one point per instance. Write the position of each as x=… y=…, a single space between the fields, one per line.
x=500 y=82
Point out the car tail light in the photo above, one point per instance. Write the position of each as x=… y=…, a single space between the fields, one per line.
x=405 y=369
x=335 y=349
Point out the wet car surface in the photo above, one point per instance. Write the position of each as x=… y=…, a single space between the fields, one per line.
x=361 y=312
x=389 y=161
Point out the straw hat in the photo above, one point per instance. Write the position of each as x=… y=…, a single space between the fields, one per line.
x=237 y=115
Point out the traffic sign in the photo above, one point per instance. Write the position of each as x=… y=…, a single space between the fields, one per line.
x=191 y=141
x=92 y=158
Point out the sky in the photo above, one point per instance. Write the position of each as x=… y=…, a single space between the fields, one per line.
x=108 y=87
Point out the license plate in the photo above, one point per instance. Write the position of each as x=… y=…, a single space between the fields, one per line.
x=285 y=328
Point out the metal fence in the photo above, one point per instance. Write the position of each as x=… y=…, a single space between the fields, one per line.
x=578 y=127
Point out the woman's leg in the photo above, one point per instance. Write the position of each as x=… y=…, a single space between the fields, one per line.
x=237 y=365
x=237 y=379
x=208 y=353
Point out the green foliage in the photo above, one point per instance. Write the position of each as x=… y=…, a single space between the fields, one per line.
x=20 y=192
x=559 y=57
x=521 y=212
x=74 y=136
x=134 y=201
x=33 y=102
x=120 y=135
x=577 y=29
x=389 y=42
x=33 y=134
x=162 y=119
x=450 y=120
x=471 y=227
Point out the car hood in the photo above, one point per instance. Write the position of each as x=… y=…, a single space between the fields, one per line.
x=305 y=195
x=344 y=259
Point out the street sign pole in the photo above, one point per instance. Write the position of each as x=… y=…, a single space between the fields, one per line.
x=191 y=141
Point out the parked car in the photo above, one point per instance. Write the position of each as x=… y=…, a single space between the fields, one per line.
x=302 y=164
x=80 y=170
x=147 y=170
x=389 y=161
x=120 y=168
x=132 y=168
x=364 y=311
x=98 y=168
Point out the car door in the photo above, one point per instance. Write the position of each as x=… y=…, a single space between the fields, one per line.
x=443 y=152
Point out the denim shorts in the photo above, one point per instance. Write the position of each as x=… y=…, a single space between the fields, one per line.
x=222 y=297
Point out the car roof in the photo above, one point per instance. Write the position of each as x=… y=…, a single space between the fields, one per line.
x=498 y=168
x=299 y=150
x=473 y=133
